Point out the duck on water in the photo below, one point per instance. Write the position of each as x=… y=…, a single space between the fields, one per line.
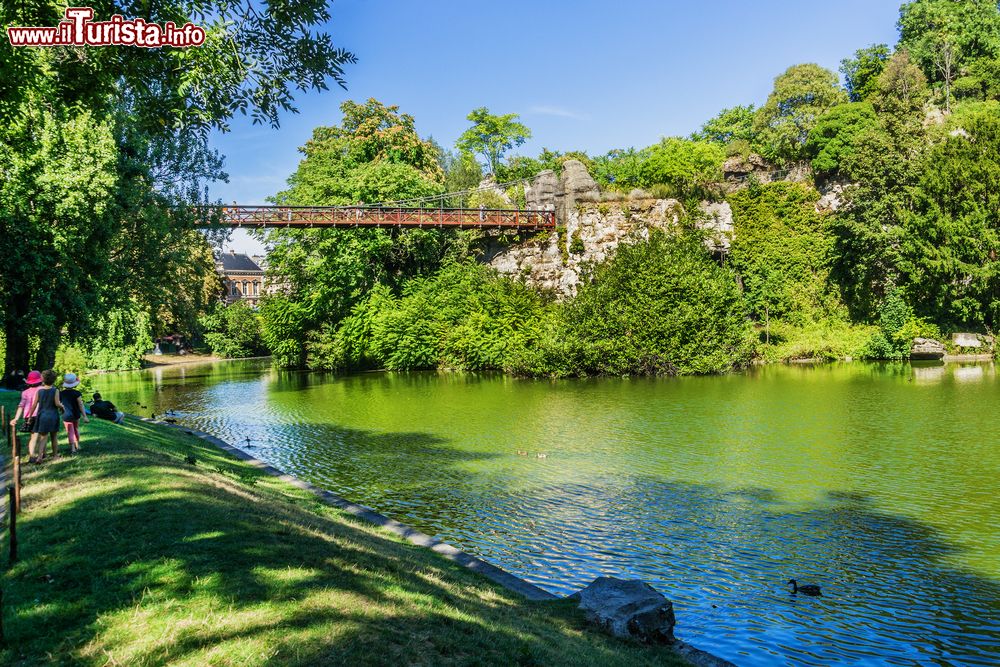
x=808 y=589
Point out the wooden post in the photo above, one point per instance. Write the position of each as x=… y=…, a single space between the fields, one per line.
x=12 y=522
x=15 y=485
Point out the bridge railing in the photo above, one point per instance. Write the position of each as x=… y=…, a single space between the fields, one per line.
x=382 y=216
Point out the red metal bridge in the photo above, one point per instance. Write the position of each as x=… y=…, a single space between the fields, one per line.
x=386 y=216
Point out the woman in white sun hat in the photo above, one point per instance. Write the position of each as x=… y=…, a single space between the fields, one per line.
x=73 y=411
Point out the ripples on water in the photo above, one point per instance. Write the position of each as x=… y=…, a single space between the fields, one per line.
x=878 y=482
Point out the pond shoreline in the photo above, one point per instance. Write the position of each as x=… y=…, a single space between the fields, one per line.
x=497 y=575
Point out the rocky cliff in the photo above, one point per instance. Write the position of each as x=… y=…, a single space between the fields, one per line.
x=591 y=224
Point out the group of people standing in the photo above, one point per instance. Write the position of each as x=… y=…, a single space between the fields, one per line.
x=44 y=406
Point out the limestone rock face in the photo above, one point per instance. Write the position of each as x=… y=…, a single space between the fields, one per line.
x=831 y=199
x=577 y=183
x=543 y=191
x=628 y=609
x=489 y=184
x=925 y=349
x=718 y=222
x=739 y=166
x=589 y=228
x=967 y=340
x=589 y=233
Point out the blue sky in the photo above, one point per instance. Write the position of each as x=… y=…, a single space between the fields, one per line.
x=583 y=74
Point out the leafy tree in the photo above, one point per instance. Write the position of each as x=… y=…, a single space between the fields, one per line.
x=838 y=134
x=952 y=229
x=462 y=172
x=284 y=323
x=374 y=156
x=492 y=136
x=983 y=79
x=121 y=339
x=801 y=95
x=901 y=88
x=620 y=169
x=688 y=168
x=944 y=35
x=233 y=331
x=884 y=164
x=892 y=341
x=521 y=167
x=862 y=71
x=101 y=154
x=57 y=216
x=729 y=125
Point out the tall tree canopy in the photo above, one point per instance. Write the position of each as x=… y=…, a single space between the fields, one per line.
x=801 y=95
x=861 y=72
x=951 y=244
x=838 y=134
x=492 y=136
x=944 y=36
x=104 y=150
x=729 y=125
x=374 y=155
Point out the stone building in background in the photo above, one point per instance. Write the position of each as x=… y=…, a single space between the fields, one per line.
x=243 y=277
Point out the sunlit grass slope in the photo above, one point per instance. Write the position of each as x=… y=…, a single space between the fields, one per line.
x=132 y=556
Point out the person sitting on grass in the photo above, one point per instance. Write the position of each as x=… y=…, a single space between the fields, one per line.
x=106 y=410
x=73 y=411
x=48 y=415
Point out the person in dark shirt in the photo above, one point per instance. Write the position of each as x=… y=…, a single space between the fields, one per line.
x=105 y=410
x=72 y=401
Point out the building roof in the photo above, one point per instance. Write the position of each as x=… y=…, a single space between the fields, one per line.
x=238 y=262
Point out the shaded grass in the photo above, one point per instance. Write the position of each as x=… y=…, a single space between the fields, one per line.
x=132 y=556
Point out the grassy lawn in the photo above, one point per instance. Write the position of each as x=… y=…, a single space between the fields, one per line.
x=132 y=556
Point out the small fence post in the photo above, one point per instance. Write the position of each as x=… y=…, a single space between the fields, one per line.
x=15 y=486
x=12 y=522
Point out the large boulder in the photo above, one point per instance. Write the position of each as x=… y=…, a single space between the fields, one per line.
x=926 y=349
x=543 y=191
x=578 y=184
x=966 y=340
x=738 y=166
x=628 y=609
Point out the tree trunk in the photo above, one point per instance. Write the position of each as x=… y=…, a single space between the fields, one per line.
x=46 y=355
x=16 y=353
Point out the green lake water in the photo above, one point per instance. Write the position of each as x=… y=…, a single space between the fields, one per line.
x=881 y=483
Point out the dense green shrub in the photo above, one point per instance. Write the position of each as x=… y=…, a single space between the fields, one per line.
x=233 y=331
x=660 y=307
x=71 y=359
x=689 y=169
x=837 y=135
x=897 y=328
x=283 y=325
x=781 y=250
x=463 y=317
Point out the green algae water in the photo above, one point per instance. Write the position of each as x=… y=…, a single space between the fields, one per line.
x=881 y=483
